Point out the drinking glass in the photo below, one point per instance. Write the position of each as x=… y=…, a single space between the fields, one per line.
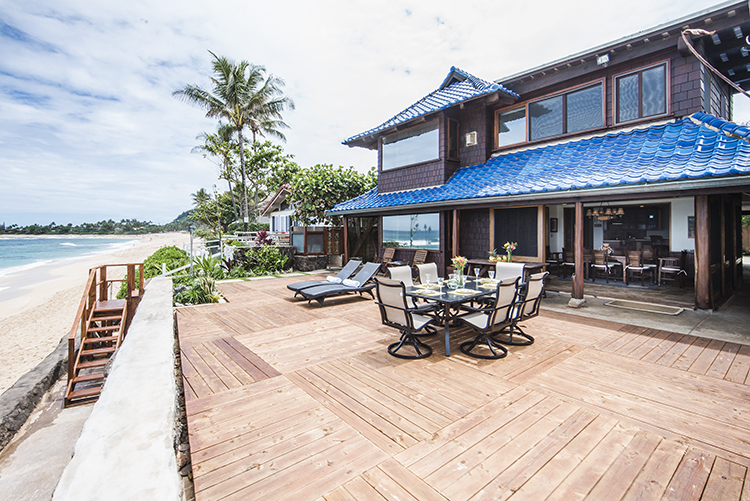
x=491 y=273
x=427 y=278
x=440 y=282
x=476 y=272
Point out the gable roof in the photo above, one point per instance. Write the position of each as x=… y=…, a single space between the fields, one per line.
x=669 y=156
x=459 y=86
x=274 y=201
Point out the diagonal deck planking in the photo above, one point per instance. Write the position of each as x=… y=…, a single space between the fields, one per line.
x=291 y=401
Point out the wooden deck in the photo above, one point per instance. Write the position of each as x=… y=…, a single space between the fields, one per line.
x=290 y=401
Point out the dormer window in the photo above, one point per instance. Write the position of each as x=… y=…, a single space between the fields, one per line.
x=412 y=146
x=641 y=94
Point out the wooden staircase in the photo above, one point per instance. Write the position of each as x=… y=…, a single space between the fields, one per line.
x=102 y=323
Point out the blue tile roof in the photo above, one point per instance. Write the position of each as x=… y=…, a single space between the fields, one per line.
x=457 y=87
x=676 y=151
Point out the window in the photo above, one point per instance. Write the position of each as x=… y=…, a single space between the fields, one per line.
x=567 y=113
x=574 y=111
x=412 y=231
x=641 y=94
x=518 y=225
x=511 y=127
x=415 y=145
x=452 y=139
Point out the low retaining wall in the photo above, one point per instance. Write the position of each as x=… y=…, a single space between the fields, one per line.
x=126 y=448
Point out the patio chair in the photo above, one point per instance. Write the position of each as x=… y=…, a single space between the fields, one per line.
x=601 y=264
x=636 y=266
x=427 y=269
x=554 y=259
x=403 y=274
x=527 y=306
x=569 y=261
x=490 y=320
x=420 y=257
x=385 y=258
x=672 y=268
x=342 y=275
x=359 y=283
x=395 y=312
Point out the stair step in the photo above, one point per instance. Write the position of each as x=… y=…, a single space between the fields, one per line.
x=104 y=329
x=98 y=351
x=87 y=392
x=87 y=377
x=99 y=362
x=104 y=339
x=107 y=318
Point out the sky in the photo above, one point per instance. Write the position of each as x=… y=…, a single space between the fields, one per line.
x=89 y=129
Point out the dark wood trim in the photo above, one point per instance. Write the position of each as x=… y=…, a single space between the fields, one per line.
x=346 y=239
x=456 y=233
x=577 y=292
x=702 y=253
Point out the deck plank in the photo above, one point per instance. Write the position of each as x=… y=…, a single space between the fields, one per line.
x=291 y=401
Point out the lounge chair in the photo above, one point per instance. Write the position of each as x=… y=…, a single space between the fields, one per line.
x=342 y=275
x=359 y=283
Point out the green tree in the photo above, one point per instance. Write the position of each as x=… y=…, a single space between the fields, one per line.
x=320 y=188
x=267 y=169
x=245 y=97
x=221 y=146
x=215 y=212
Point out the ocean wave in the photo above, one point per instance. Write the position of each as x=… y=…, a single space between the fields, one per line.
x=24 y=267
x=69 y=244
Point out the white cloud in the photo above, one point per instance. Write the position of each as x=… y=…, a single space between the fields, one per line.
x=89 y=129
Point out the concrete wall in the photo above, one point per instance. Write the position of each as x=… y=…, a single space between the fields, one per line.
x=126 y=448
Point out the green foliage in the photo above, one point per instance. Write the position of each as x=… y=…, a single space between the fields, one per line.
x=202 y=290
x=208 y=266
x=215 y=212
x=108 y=227
x=746 y=220
x=235 y=227
x=266 y=260
x=320 y=188
x=171 y=256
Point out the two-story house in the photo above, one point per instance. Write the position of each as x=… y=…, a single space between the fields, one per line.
x=630 y=143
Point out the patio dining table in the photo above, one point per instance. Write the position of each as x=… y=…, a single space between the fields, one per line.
x=450 y=301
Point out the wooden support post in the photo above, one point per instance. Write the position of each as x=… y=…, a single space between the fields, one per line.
x=455 y=236
x=103 y=293
x=702 y=253
x=577 y=292
x=346 y=240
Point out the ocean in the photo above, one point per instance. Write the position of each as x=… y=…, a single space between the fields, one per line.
x=18 y=253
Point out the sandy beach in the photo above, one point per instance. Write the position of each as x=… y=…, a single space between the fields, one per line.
x=37 y=306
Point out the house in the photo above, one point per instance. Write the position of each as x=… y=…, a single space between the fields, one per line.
x=312 y=241
x=630 y=143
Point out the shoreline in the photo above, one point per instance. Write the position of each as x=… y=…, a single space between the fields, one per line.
x=37 y=305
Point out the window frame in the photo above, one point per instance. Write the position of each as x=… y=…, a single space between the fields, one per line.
x=382 y=228
x=440 y=153
x=600 y=81
x=639 y=71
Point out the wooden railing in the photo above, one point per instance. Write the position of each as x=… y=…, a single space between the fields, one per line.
x=97 y=290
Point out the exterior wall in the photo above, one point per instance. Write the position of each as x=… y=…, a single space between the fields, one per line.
x=474 y=238
x=475 y=118
x=556 y=239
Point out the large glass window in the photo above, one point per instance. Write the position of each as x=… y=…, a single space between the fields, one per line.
x=575 y=111
x=584 y=109
x=511 y=127
x=546 y=118
x=412 y=231
x=416 y=145
x=642 y=94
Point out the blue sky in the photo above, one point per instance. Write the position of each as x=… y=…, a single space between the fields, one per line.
x=89 y=129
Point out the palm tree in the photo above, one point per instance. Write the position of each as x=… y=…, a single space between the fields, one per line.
x=221 y=145
x=241 y=96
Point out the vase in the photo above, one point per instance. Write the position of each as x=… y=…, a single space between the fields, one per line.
x=509 y=258
x=460 y=277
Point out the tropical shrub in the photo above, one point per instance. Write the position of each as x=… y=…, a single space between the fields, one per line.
x=266 y=260
x=171 y=256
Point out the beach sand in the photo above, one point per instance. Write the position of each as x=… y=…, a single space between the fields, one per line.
x=39 y=305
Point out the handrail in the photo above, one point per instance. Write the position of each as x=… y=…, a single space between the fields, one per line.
x=90 y=297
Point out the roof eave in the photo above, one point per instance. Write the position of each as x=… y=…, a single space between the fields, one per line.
x=623 y=191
